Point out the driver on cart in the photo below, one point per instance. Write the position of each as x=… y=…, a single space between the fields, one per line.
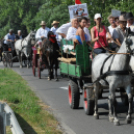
x=10 y=39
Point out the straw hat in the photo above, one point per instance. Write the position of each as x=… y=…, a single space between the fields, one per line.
x=122 y=18
x=43 y=23
x=55 y=22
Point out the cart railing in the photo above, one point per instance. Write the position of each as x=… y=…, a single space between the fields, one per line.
x=8 y=118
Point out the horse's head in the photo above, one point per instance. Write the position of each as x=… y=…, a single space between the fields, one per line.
x=32 y=37
x=51 y=37
x=129 y=40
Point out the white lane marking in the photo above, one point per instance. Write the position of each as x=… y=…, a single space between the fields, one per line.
x=64 y=88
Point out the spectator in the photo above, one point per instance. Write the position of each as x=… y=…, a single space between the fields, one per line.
x=19 y=35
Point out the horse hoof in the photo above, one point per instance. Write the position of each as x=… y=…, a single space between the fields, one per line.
x=49 y=79
x=20 y=66
x=96 y=116
x=116 y=122
x=111 y=119
x=56 y=80
x=129 y=121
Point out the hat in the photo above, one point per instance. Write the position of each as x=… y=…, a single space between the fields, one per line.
x=55 y=22
x=129 y=16
x=122 y=18
x=97 y=15
x=43 y=23
x=10 y=30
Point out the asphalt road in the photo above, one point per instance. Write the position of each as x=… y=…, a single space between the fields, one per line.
x=73 y=121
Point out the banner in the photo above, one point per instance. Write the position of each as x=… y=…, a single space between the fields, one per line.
x=77 y=11
x=115 y=13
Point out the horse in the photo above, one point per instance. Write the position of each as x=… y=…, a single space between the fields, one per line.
x=112 y=70
x=23 y=47
x=50 y=50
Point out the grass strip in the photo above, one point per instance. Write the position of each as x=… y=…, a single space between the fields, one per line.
x=31 y=113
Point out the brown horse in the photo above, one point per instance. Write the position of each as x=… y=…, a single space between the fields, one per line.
x=50 y=51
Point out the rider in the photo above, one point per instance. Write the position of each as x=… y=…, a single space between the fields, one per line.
x=130 y=21
x=10 y=39
x=19 y=35
x=98 y=34
x=42 y=32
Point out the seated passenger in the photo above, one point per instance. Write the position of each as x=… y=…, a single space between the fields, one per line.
x=86 y=30
x=42 y=32
x=72 y=30
x=63 y=29
x=98 y=34
x=80 y=34
x=121 y=30
x=19 y=35
x=115 y=44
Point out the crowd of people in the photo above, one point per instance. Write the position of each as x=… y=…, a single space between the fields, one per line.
x=101 y=36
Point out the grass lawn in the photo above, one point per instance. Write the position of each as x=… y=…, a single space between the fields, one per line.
x=31 y=113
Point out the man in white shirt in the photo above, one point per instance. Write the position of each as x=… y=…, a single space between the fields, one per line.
x=72 y=30
x=62 y=30
x=42 y=32
x=114 y=34
x=130 y=21
x=86 y=30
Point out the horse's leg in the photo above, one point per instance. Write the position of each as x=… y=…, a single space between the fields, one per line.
x=111 y=118
x=130 y=99
x=113 y=100
x=49 y=68
x=56 y=67
x=96 y=86
x=21 y=60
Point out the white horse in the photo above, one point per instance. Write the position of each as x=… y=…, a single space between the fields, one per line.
x=120 y=63
x=23 y=47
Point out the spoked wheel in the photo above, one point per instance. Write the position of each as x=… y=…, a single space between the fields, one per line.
x=4 y=60
x=88 y=103
x=73 y=95
x=124 y=97
x=10 y=62
x=39 y=68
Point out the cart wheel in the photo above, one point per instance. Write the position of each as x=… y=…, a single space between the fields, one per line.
x=34 y=70
x=10 y=62
x=88 y=104
x=73 y=95
x=4 y=60
x=124 y=97
x=39 y=68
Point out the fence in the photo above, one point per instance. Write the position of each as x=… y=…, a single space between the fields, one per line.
x=8 y=118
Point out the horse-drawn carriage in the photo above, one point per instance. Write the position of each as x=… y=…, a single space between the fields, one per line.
x=79 y=72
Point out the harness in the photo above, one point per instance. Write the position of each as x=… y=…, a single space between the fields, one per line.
x=111 y=73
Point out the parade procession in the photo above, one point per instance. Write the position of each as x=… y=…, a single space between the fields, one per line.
x=83 y=64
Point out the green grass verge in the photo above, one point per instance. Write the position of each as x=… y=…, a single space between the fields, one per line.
x=32 y=115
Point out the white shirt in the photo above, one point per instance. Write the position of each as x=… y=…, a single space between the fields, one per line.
x=131 y=27
x=42 y=32
x=113 y=32
x=71 y=33
x=87 y=34
x=64 y=28
x=53 y=29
